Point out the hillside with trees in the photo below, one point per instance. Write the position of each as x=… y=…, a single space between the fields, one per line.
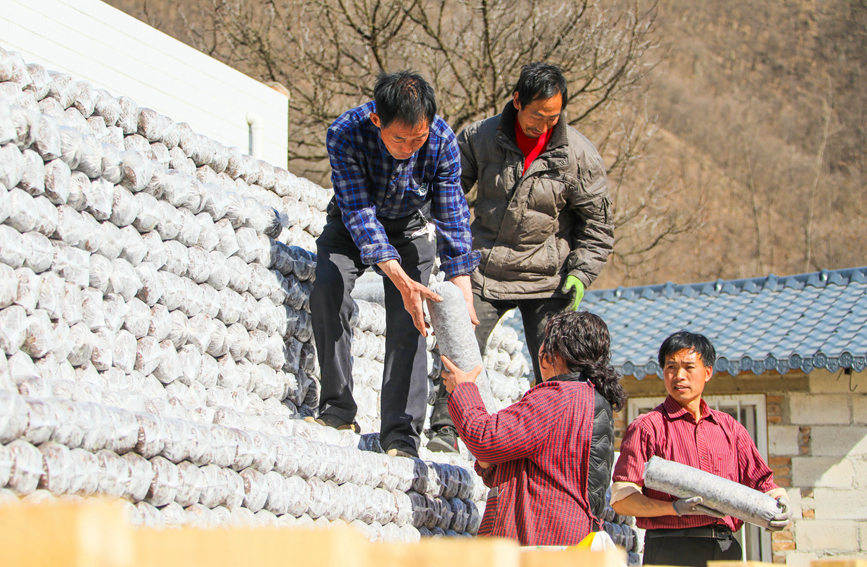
x=734 y=132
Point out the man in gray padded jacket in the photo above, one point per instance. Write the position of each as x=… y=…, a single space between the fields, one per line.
x=543 y=217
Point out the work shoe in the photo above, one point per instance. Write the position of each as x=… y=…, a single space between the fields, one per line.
x=329 y=421
x=400 y=453
x=444 y=440
x=402 y=449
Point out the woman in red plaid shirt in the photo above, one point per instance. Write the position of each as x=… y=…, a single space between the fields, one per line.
x=547 y=457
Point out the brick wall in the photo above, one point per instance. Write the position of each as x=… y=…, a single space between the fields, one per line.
x=817 y=445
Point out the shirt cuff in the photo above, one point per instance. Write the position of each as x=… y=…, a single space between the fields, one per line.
x=461 y=265
x=622 y=490
x=372 y=254
x=464 y=395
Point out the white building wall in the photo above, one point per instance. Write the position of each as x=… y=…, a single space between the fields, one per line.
x=112 y=50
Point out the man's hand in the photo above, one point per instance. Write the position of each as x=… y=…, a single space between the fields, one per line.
x=483 y=464
x=574 y=284
x=452 y=375
x=412 y=292
x=463 y=283
x=694 y=507
x=783 y=517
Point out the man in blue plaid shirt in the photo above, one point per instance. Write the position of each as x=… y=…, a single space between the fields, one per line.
x=394 y=165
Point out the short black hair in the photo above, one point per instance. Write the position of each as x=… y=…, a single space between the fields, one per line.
x=404 y=96
x=540 y=80
x=684 y=340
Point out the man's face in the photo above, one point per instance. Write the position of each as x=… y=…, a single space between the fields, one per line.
x=685 y=375
x=538 y=116
x=400 y=139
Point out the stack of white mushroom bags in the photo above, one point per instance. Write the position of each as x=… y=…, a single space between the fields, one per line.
x=155 y=340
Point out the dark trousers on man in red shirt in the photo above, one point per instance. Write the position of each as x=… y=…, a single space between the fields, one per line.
x=690 y=547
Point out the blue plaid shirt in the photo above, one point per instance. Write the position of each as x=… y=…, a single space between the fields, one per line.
x=370 y=183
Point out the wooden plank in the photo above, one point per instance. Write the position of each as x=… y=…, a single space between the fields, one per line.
x=91 y=533
x=571 y=557
x=262 y=547
x=840 y=562
x=447 y=552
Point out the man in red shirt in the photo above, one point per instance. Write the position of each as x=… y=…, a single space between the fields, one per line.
x=684 y=429
x=543 y=221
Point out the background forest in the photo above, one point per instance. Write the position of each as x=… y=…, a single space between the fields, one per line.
x=734 y=132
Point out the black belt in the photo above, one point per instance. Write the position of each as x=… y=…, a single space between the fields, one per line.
x=711 y=532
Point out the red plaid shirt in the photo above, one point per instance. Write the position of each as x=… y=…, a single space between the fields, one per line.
x=717 y=444
x=539 y=450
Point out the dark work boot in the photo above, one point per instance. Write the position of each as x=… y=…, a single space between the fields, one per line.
x=444 y=439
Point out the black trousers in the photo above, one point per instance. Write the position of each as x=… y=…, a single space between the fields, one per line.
x=693 y=551
x=404 y=383
x=534 y=314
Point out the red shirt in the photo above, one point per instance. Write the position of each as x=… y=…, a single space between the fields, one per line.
x=717 y=444
x=539 y=449
x=531 y=147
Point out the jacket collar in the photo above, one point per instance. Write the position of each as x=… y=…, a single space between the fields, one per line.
x=570 y=377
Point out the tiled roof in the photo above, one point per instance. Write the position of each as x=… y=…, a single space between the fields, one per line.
x=802 y=322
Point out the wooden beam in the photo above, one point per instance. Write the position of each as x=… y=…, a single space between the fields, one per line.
x=89 y=533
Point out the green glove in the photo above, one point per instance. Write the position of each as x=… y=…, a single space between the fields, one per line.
x=573 y=283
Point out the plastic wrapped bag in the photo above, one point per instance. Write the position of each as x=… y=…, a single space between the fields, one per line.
x=239 y=274
x=190 y=483
x=58 y=178
x=107 y=106
x=32 y=173
x=26 y=467
x=137 y=170
x=128 y=117
x=39 y=251
x=210 y=300
x=147 y=212
x=164 y=486
x=98 y=195
x=220 y=274
x=20 y=208
x=134 y=249
x=8 y=286
x=124 y=353
x=155 y=250
x=228 y=242
x=79 y=184
x=102 y=353
x=11 y=247
x=124 y=208
x=152 y=288
x=152 y=125
x=14 y=416
x=169 y=223
x=12 y=165
x=123 y=279
x=38 y=335
x=90 y=156
x=208 y=238
x=13 y=328
x=147 y=355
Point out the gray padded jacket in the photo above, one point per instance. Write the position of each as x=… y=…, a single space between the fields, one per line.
x=535 y=229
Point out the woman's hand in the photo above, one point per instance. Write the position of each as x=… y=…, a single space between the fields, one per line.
x=452 y=375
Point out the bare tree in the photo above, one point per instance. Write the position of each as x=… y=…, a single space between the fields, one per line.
x=329 y=52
